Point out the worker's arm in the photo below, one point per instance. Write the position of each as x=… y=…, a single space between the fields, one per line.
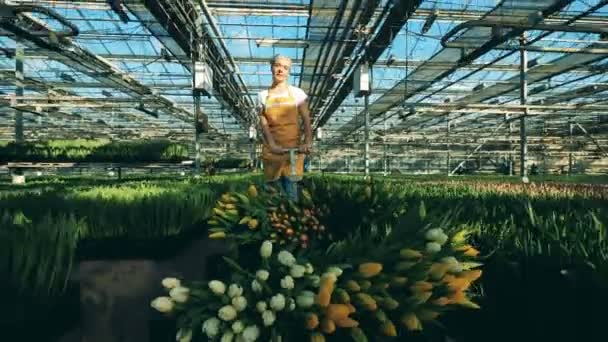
x=274 y=148
x=305 y=114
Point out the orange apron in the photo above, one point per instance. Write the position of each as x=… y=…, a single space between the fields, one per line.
x=283 y=122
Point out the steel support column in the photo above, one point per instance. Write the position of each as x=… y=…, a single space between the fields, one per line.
x=523 y=97
x=19 y=84
x=366 y=137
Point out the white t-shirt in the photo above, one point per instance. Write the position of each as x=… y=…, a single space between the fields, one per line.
x=299 y=95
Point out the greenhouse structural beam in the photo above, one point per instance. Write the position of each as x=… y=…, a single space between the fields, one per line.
x=188 y=21
x=396 y=95
x=397 y=14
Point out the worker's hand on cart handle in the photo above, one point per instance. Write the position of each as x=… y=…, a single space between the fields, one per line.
x=276 y=149
x=305 y=148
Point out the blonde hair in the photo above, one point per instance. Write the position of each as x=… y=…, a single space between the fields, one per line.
x=275 y=58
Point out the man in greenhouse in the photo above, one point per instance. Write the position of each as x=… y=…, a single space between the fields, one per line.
x=283 y=114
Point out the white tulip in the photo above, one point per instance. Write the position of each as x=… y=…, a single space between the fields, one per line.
x=261 y=306
x=227 y=337
x=238 y=327
x=287 y=283
x=309 y=268
x=179 y=294
x=291 y=304
x=268 y=317
x=335 y=270
x=262 y=275
x=297 y=271
x=330 y=275
x=441 y=239
x=286 y=258
x=235 y=290
x=217 y=287
x=163 y=304
x=256 y=286
x=227 y=313
x=183 y=335
x=211 y=327
x=433 y=234
x=251 y=333
x=315 y=280
x=170 y=283
x=277 y=302
x=239 y=303
x=266 y=249
x=433 y=247
x=306 y=299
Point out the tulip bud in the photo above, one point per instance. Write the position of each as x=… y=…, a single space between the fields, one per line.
x=370 y=269
x=162 y=304
x=217 y=287
x=179 y=294
x=268 y=317
x=235 y=290
x=170 y=283
x=262 y=275
x=433 y=247
x=277 y=302
x=211 y=327
x=239 y=303
x=266 y=249
x=297 y=271
x=227 y=313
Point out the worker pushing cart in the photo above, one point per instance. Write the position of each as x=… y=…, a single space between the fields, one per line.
x=283 y=114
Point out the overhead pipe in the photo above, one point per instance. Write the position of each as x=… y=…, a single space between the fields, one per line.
x=581 y=15
x=216 y=31
x=330 y=34
x=360 y=53
x=532 y=24
x=14 y=10
x=364 y=18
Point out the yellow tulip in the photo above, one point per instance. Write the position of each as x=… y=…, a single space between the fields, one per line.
x=312 y=321
x=411 y=322
x=352 y=286
x=370 y=269
x=317 y=337
x=328 y=326
x=438 y=270
x=470 y=305
x=347 y=323
x=252 y=224
x=405 y=265
x=408 y=253
x=460 y=237
x=367 y=301
x=217 y=235
x=457 y=297
x=456 y=284
x=422 y=297
x=441 y=301
x=471 y=275
x=389 y=303
x=427 y=315
x=398 y=281
x=252 y=191
x=421 y=286
x=337 y=312
x=468 y=250
x=389 y=329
